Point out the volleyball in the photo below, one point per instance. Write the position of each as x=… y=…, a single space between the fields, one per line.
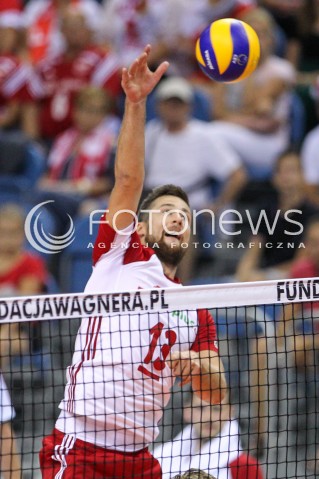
x=228 y=50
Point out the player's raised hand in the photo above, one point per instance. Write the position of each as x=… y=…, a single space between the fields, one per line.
x=138 y=80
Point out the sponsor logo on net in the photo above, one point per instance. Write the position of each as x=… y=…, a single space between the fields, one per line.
x=84 y=305
x=155 y=300
x=227 y=224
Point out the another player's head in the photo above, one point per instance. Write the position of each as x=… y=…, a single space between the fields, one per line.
x=164 y=223
x=207 y=419
x=194 y=474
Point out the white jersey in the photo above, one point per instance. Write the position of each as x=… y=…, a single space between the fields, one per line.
x=118 y=382
x=220 y=456
x=6 y=409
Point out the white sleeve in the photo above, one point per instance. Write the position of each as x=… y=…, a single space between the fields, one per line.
x=221 y=159
x=6 y=409
x=310 y=157
x=164 y=454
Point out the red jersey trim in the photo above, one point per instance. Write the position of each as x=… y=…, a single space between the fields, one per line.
x=245 y=467
x=136 y=251
x=105 y=236
x=206 y=338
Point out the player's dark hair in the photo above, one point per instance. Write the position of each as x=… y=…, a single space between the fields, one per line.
x=157 y=192
x=194 y=474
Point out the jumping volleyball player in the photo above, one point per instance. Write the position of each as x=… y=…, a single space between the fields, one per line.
x=124 y=366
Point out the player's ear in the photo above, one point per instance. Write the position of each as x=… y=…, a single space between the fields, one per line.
x=141 y=230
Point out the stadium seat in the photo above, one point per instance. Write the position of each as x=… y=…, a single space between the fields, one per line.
x=20 y=158
x=12 y=189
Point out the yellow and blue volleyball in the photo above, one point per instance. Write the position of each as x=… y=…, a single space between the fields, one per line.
x=228 y=50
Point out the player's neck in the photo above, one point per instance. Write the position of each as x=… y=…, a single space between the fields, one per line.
x=169 y=271
x=176 y=127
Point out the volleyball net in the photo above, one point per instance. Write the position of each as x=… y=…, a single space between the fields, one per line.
x=118 y=379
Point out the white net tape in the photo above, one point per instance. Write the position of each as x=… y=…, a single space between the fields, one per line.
x=68 y=306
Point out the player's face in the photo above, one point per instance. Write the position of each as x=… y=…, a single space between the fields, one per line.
x=207 y=420
x=168 y=226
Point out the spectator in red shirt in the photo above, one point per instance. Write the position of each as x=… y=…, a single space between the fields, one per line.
x=80 y=157
x=80 y=160
x=15 y=103
x=42 y=21
x=83 y=62
x=21 y=273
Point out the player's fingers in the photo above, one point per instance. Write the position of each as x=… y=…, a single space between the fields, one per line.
x=147 y=49
x=135 y=65
x=182 y=369
x=171 y=363
x=186 y=380
x=187 y=370
x=160 y=70
x=174 y=366
x=125 y=76
x=177 y=370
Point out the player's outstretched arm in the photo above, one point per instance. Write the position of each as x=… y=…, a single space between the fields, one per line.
x=137 y=82
x=203 y=370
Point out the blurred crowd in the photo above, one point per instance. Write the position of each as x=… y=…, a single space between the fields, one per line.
x=246 y=153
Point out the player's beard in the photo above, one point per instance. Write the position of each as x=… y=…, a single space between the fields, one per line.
x=171 y=255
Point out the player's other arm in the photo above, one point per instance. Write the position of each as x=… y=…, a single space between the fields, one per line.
x=137 y=82
x=10 y=465
x=203 y=370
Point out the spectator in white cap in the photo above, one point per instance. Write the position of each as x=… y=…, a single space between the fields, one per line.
x=181 y=149
x=10 y=465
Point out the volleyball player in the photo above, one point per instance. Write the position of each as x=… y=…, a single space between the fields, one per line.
x=124 y=366
x=10 y=465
